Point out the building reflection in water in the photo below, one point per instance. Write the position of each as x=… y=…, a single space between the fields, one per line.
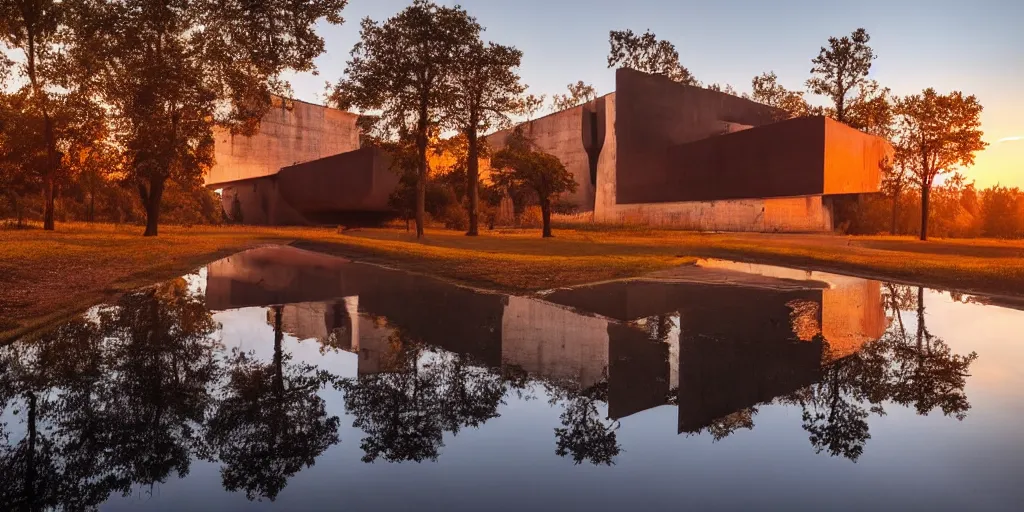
x=130 y=395
x=715 y=341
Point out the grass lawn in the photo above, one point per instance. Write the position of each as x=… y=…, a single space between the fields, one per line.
x=46 y=276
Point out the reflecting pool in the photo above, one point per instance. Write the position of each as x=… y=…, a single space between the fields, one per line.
x=283 y=379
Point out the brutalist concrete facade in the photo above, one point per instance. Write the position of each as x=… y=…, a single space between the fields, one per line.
x=304 y=166
x=661 y=153
x=654 y=152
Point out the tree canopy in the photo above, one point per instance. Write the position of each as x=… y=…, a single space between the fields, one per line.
x=485 y=91
x=519 y=165
x=579 y=93
x=648 y=54
x=840 y=68
x=168 y=72
x=403 y=68
x=943 y=131
x=767 y=90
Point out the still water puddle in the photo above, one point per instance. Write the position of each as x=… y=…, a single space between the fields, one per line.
x=282 y=379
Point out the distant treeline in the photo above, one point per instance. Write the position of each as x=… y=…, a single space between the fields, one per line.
x=958 y=210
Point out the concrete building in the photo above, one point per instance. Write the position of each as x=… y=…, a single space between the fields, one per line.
x=653 y=152
x=304 y=166
x=661 y=153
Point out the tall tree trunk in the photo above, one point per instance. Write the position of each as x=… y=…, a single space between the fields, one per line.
x=92 y=206
x=895 y=210
x=545 y=213
x=30 y=463
x=926 y=192
x=16 y=206
x=278 y=382
x=421 y=174
x=51 y=172
x=151 y=200
x=473 y=180
x=920 y=317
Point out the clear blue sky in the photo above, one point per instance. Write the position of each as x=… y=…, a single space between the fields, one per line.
x=976 y=47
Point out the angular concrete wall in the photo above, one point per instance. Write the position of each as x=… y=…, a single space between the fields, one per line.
x=562 y=134
x=782 y=159
x=359 y=180
x=654 y=113
x=852 y=160
x=355 y=182
x=291 y=132
x=260 y=202
x=795 y=214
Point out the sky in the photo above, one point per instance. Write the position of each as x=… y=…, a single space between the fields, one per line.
x=975 y=47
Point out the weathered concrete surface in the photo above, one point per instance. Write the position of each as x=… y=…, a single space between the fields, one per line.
x=783 y=159
x=654 y=113
x=355 y=182
x=797 y=157
x=260 y=202
x=292 y=132
x=852 y=159
x=776 y=214
x=562 y=134
x=359 y=180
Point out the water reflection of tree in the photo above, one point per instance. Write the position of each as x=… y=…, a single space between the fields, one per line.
x=160 y=366
x=584 y=435
x=913 y=371
x=107 y=401
x=270 y=421
x=421 y=394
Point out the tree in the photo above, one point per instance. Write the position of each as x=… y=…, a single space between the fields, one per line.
x=646 y=53
x=403 y=68
x=519 y=165
x=942 y=132
x=270 y=421
x=533 y=104
x=583 y=435
x=94 y=167
x=1003 y=211
x=840 y=68
x=485 y=90
x=34 y=28
x=872 y=110
x=21 y=155
x=767 y=90
x=896 y=174
x=168 y=72
x=579 y=93
x=727 y=88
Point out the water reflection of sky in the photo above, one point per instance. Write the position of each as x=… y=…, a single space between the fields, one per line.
x=509 y=462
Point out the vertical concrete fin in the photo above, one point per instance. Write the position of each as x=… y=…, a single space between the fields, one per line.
x=593 y=132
